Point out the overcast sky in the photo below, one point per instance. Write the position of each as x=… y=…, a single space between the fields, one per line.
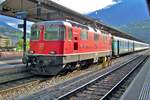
x=81 y=6
x=87 y=6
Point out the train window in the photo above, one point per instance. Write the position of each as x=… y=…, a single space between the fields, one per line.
x=62 y=32
x=96 y=36
x=69 y=33
x=35 y=33
x=104 y=37
x=54 y=33
x=84 y=34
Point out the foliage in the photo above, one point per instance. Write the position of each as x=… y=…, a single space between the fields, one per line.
x=20 y=45
x=8 y=42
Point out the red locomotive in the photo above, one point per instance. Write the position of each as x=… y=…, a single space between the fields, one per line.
x=56 y=45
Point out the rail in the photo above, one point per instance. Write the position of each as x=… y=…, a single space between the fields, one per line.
x=135 y=62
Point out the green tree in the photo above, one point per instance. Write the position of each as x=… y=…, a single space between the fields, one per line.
x=20 y=45
x=27 y=44
x=7 y=42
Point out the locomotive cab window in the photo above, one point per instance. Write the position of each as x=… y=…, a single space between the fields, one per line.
x=96 y=36
x=35 y=33
x=69 y=33
x=104 y=35
x=84 y=34
x=54 y=33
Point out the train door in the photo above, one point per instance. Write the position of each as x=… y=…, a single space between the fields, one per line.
x=75 y=40
x=128 y=46
x=69 y=43
x=113 y=46
x=118 y=47
x=133 y=46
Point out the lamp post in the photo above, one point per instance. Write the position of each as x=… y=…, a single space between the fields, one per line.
x=23 y=15
x=24 y=36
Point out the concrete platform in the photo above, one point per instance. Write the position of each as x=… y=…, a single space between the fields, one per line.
x=10 y=62
x=10 y=55
x=139 y=89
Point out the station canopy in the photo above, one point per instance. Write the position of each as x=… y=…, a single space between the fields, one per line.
x=44 y=10
x=148 y=4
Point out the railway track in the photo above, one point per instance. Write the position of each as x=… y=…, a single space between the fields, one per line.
x=14 y=76
x=16 y=85
x=103 y=86
x=34 y=84
x=67 y=87
x=8 y=69
x=116 y=92
x=13 y=72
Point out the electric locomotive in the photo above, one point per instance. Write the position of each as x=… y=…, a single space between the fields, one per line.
x=56 y=45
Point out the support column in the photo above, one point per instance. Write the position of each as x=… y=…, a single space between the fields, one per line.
x=24 y=36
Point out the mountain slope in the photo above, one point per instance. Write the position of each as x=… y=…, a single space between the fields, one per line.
x=130 y=16
x=125 y=12
x=10 y=32
x=5 y=26
x=140 y=30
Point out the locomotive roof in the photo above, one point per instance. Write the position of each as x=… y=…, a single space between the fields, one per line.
x=52 y=11
x=54 y=22
x=68 y=23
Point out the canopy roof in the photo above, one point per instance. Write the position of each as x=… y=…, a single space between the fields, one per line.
x=43 y=10
x=148 y=4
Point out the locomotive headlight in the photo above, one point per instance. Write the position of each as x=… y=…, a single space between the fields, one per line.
x=52 y=52
x=31 y=52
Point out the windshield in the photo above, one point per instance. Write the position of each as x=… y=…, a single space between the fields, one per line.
x=54 y=33
x=35 y=33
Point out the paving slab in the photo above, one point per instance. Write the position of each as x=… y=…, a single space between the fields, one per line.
x=139 y=89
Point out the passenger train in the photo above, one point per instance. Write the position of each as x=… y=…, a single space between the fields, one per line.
x=58 y=45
